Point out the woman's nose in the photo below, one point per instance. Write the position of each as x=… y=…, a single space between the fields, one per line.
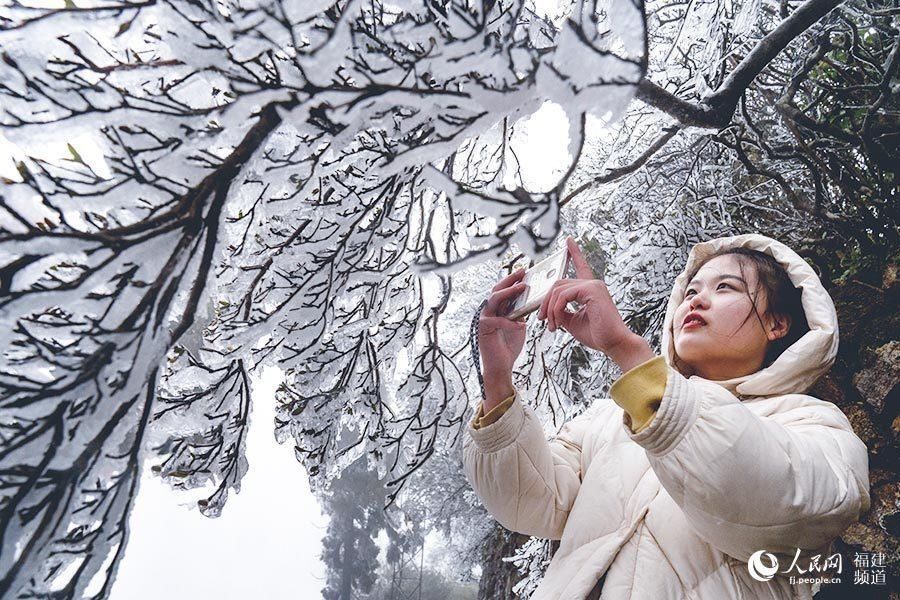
x=695 y=301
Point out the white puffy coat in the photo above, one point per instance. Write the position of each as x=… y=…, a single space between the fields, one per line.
x=724 y=469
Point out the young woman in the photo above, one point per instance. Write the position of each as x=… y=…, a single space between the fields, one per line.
x=703 y=457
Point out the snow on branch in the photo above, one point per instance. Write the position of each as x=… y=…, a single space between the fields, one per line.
x=715 y=110
x=223 y=184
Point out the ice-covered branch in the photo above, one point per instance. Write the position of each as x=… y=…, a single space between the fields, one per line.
x=716 y=110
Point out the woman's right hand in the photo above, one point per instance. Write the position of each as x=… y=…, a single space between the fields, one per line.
x=500 y=339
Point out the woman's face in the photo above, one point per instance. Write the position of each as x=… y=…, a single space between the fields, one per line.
x=726 y=343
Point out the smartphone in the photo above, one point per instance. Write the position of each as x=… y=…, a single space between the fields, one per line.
x=538 y=281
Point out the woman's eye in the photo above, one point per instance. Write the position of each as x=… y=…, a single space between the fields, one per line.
x=690 y=291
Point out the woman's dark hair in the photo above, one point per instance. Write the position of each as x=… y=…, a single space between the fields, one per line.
x=783 y=299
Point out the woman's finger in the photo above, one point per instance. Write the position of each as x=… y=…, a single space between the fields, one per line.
x=551 y=307
x=492 y=324
x=558 y=311
x=565 y=320
x=578 y=291
x=497 y=299
x=509 y=280
x=582 y=268
x=545 y=303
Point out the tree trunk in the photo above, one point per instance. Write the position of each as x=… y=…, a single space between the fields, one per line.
x=499 y=577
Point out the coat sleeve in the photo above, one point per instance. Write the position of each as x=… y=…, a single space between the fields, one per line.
x=793 y=478
x=526 y=482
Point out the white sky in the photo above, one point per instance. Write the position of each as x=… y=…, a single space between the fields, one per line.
x=265 y=545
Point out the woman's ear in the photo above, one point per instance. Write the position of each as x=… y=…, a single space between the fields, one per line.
x=778 y=327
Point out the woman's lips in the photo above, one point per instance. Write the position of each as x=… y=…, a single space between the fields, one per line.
x=693 y=325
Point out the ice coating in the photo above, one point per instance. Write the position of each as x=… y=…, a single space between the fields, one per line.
x=272 y=178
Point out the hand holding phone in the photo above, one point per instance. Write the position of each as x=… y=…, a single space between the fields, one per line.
x=538 y=281
x=596 y=322
x=499 y=339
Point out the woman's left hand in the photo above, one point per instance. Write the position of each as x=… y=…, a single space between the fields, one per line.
x=597 y=322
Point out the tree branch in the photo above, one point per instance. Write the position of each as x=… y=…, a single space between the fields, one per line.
x=715 y=111
x=618 y=172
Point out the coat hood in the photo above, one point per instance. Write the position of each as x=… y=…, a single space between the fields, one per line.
x=802 y=363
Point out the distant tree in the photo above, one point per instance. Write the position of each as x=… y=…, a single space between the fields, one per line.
x=354 y=502
x=431 y=585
